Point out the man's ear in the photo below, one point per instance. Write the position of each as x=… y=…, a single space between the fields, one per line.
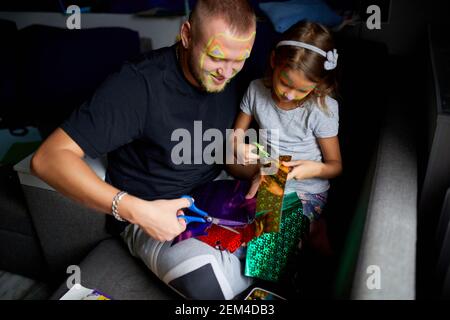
x=186 y=34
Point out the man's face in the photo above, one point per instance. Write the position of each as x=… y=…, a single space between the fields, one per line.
x=218 y=55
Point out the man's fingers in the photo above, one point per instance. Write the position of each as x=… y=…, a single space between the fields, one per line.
x=181 y=203
x=183 y=224
x=181 y=221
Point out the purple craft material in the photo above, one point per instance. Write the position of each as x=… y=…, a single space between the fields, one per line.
x=224 y=200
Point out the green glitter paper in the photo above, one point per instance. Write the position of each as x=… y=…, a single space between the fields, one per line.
x=267 y=255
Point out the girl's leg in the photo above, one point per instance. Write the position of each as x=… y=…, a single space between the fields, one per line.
x=313 y=205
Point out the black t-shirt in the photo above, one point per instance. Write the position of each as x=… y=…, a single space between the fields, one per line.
x=132 y=115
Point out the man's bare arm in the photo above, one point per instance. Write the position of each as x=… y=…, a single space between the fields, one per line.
x=59 y=162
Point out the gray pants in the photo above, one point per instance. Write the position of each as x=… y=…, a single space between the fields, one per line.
x=192 y=268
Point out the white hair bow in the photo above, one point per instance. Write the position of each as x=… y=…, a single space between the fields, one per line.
x=332 y=58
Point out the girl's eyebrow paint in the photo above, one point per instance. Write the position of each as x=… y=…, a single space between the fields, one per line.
x=285 y=76
x=283 y=73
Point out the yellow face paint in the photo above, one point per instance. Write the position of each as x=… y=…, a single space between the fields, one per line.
x=223 y=46
x=246 y=54
x=217 y=52
x=222 y=58
x=287 y=89
x=289 y=95
x=285 y=76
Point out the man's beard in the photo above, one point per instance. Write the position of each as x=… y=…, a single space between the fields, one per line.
x=196 y=73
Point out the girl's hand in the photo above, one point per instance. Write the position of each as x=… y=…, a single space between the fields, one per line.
x=256 y=181
x=304 y=169
x=245 y=154
x=269 y=182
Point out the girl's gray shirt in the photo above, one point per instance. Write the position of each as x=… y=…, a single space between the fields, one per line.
x=292 y=132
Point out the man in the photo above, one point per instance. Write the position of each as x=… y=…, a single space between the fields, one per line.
x=131 y=117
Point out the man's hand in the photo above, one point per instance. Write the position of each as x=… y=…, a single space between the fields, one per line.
x=159 y=218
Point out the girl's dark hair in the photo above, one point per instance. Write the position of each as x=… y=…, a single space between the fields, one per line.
x=308 y=61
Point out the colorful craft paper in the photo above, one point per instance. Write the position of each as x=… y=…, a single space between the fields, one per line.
x=224 y=239
x=267 y=255
x=224 y=200
x=269 y=200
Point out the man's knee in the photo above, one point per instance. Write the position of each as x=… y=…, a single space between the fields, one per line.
x=203 y=277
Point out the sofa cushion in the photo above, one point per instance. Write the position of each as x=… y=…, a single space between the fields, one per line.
x=19 y=247
x=67 y=230
x=112 y=270
x=17 y=287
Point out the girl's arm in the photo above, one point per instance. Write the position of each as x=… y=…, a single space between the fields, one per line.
x=243 y=122
x=329 y=168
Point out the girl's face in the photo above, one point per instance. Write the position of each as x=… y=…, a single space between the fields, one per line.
x=290 y=86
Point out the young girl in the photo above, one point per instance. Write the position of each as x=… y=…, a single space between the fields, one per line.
x=296 y=101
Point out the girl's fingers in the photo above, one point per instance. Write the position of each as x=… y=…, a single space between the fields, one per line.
x=292 y=163
x=292 y=174
x=253 y=188
x=252 y=148
x=253 y=155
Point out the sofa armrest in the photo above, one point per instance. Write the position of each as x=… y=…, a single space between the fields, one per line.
x=388 y=244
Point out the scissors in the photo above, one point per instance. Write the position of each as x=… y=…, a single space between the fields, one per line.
x=204 y=216
x=264 y=153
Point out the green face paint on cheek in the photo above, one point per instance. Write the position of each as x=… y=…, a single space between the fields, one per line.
x=310 y=87
x=284 y=75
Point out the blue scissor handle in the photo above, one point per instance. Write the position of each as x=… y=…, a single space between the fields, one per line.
x=193 y=208
x=190 y=219
x=191 y=200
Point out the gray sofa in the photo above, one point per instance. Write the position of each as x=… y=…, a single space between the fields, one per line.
x=70 y=234
x=389 y=234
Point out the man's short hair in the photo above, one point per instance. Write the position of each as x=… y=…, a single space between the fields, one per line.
x=238 y=14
